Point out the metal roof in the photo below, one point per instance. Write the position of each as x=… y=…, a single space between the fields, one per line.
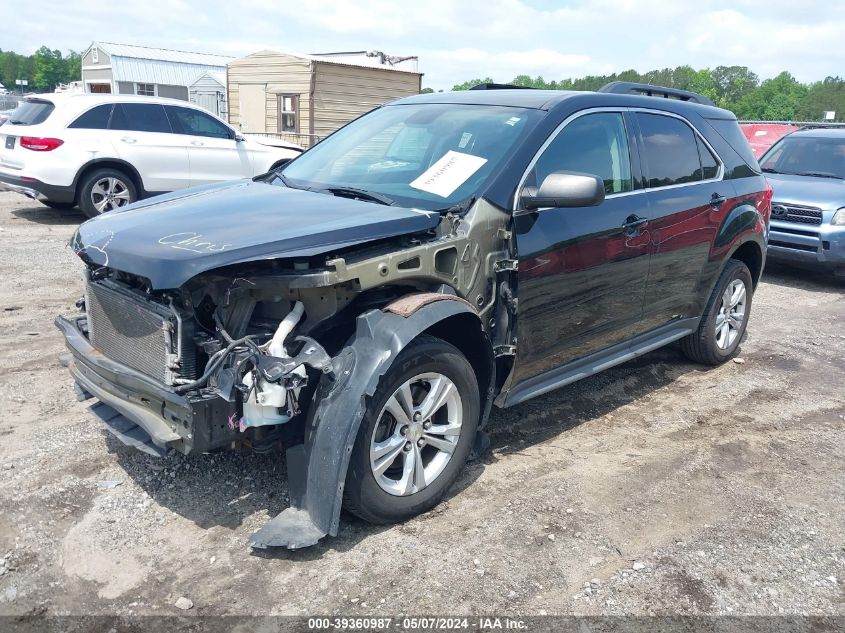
x=158 y=72
x=408 y=65
x=142 y=64
x=162 y=54
x=217 y=77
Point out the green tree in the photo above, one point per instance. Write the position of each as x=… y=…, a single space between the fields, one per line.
x=73 y=66
x=14 y=66
x=426 y=91
x=777 y=99
x=473 y=82
x=49 y=69
x=822 y=96
x=732 y=83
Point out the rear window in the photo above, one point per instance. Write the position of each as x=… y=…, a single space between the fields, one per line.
x=31 y=112
x=729 y=130
x=95 y=119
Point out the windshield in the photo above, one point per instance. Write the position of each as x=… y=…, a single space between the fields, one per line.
x=429 y=156
x=807 y=155
x=31 y=113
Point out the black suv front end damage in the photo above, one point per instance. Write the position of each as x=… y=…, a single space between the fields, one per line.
x=194 y=423
x=281 y=352
x=359 y=306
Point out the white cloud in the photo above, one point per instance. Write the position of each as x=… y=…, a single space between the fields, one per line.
x=457 y=41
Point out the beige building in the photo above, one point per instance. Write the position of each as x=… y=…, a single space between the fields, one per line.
x=309 y=96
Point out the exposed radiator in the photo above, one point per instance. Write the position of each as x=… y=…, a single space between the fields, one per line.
x=138 y=333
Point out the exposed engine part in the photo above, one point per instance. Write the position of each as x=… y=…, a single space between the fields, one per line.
x=274 y=401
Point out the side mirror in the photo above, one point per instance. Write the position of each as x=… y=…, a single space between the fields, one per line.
x=240 y=138
x=564 y=189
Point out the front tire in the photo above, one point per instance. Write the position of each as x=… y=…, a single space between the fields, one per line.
x=416 y=434
x=104 y=190
x=725 y=318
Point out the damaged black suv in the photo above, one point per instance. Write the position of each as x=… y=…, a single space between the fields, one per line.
x=365 y=305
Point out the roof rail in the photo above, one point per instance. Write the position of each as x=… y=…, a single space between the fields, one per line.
x=628 y=87
x=491 y=86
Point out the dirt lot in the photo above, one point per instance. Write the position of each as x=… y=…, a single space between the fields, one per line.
x=659 y=487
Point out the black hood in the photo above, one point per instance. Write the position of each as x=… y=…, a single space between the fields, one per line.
x=171 y=238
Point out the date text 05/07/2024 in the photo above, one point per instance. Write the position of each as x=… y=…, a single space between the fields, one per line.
x=484 y=623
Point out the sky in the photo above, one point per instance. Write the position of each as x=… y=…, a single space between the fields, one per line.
x=458 y=40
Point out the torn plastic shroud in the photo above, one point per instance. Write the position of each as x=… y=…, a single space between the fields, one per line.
x=317 y=468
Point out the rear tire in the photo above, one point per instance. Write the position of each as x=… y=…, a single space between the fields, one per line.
x=436 y=434
x=725 y=318
x=104 y=190
x=58 y=205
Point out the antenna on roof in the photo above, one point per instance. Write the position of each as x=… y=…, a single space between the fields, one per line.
x=492 y=86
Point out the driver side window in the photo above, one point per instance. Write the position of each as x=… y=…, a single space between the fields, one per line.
x=592 y=144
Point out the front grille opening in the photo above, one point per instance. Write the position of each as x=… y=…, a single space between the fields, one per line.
x=783 y=212
x=791 y=231
x=794 y=247
x=138 y=333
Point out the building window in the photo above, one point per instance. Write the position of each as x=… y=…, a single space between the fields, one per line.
x=95 y=55
x=288 y=113
x=145 y=90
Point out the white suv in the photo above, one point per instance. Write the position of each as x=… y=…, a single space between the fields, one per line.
x=104 y=151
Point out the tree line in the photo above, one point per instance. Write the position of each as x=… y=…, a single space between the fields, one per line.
x=736 y=88
x=44 y=70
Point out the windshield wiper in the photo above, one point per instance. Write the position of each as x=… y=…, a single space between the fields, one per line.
x=362 y=194
x=461 y=207
x=819 y=174
x=16 y=122
x=769 y=170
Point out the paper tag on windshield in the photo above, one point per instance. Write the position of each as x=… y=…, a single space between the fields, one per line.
x=448 y=173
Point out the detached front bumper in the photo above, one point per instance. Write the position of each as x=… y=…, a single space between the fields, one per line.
x=186 y=423
x=822 y=246
x=35 y=189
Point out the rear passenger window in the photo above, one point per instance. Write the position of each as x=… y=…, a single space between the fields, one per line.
x=592 y=144
x=670 y=151
x=139 y=117
x=95 y=119
x=709 y=164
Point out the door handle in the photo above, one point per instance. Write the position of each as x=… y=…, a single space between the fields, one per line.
x=633 y=222
x=197 y=143
x=128 y=139
x=717 y=201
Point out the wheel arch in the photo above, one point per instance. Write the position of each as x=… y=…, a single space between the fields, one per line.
x=109 y=163
x=317 y=468
x=465 y=332
x=752 y=255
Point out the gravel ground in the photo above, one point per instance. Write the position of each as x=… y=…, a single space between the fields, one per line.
x=658 y=487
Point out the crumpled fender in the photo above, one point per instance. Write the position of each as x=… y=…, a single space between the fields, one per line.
x=317 y=468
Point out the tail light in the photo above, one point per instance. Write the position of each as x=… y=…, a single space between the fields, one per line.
x=40 y=144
